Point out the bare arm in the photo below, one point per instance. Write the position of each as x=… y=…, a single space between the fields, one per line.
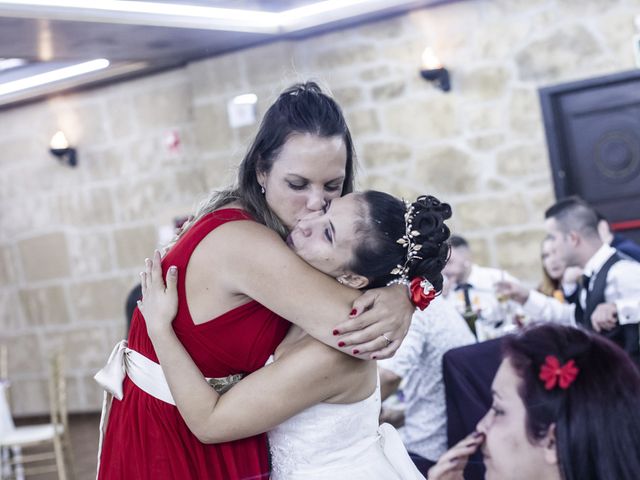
x=304 y=377
x=277 y=278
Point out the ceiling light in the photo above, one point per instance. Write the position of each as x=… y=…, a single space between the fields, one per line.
x=53 y=76
x=8 y=63
x=201 y=17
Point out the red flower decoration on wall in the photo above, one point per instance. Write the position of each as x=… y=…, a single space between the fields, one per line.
x=552 y=373
x=422 y=292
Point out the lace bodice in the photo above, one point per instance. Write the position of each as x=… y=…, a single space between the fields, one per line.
x=323 y=435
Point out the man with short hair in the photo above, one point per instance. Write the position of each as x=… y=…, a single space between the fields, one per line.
x=469 y=286
x=609 y=297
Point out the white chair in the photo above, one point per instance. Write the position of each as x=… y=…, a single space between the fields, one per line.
x=54 y=434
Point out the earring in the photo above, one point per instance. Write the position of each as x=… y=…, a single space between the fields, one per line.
x=261 y=189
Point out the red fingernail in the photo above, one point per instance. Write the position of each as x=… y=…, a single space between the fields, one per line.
x=341 y=344
x=355 y=352
x=336 y=332
x=353 y=312
x=374 y=357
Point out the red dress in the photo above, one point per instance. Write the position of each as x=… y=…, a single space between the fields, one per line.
x=147 y=438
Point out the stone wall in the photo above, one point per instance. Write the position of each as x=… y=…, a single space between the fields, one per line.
x=72 y=240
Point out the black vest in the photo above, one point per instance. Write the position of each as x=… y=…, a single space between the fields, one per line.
x=627 y=336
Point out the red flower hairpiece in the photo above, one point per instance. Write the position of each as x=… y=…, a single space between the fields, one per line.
x=552 y=374
x=422 y=292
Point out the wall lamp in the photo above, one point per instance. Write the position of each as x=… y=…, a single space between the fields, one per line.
x=433 y=70
x=59 y=147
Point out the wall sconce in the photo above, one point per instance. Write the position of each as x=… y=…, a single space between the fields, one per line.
x=59 y=147
x=433 y=70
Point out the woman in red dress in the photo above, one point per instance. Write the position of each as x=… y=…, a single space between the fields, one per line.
x=240 y=285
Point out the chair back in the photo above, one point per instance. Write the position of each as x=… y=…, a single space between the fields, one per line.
x=58 y=392
x=4 y=362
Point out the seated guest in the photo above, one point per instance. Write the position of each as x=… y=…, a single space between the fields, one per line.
x=552 y=271
x=609 y=297
x=418 y=362
x=470 y=287
x=565 y=407
x=626 y=247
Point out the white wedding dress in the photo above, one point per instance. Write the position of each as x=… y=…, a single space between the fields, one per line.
x=340 y=442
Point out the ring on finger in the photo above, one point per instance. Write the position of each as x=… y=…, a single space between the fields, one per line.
x=387 y=339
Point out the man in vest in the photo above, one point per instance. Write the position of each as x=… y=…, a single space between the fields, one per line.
x=608 y=300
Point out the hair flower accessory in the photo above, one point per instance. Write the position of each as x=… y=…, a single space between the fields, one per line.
x=552 y=374
x=422 y=292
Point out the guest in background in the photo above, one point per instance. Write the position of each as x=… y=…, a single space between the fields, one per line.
x=565 y=405
x=625 y=246
x=471 y=287
x=609 y=297
x=418 y=362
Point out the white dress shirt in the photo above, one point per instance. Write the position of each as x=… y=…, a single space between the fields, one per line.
x=622 y=289
x=482 y=292
x=418 y=361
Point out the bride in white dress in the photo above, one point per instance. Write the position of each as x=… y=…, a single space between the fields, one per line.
x=320 y=406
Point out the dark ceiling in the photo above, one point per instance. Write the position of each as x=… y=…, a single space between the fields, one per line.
x=48 y=39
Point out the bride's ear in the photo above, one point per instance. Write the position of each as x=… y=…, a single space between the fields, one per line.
x=353 y=280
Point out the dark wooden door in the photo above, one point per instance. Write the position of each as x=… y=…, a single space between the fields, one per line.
x=593 y=135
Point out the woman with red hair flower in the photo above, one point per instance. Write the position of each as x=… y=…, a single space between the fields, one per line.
x=566 y=406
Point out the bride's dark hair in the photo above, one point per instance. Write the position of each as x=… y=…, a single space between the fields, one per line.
x=383 y=223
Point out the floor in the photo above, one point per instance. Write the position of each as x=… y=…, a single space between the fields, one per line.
x=84 y=440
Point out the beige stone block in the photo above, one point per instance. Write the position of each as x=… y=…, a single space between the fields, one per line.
x=447 y=169
x=406 y=51
x=93 y=394
x=11 y=317
x=85 y=207
x=479 y=247
x=488 y=213
x=389 y=90
x=558 y=55
x=142 y=199
x=162 y=105
x=519 y=254
x=81 y=118
x=133 y=245
x=348 y=96
x=380 y=153
x=540 y=200
x=44 y=306
x=522 y=160
x=486 y=142
x=212 y=130
x=375 y=73
x=422 y=120
x=8 y=267
x=101 y=299
x=85 y=349
x=391 y=185
x=90 y=253
x=23 y=353
x=384 y=30
x=21 y=150
x=484 y=117
x=525 y=116
x=213 y=76
x=487 y=82
x=346 y=55
x=44 y=257
x=267 y=63
x=29 y=397
x=362 y=121
x=104 y=164
x=120 y=114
